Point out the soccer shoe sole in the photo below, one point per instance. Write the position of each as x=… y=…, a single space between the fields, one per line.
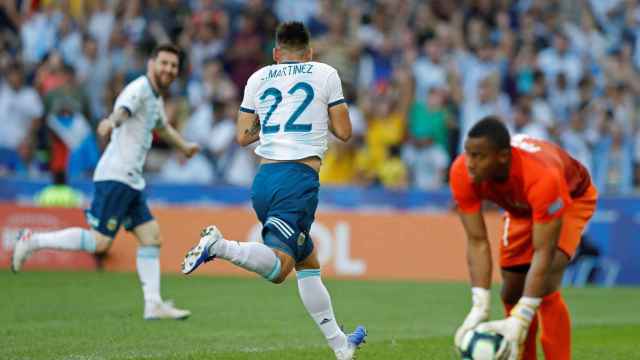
x=199 y=254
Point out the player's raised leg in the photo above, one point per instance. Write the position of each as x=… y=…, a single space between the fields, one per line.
x=70 y=239
x=317 y=301
x=251 y=256
x=148 y=266
x=111 y=202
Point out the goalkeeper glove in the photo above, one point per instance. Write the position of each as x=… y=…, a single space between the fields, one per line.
x=481 y=298
x=514 y=329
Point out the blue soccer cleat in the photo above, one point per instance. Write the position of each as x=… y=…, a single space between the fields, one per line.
x=203 y=252
x=354 y=340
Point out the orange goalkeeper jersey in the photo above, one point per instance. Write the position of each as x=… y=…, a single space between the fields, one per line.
x=542 y=182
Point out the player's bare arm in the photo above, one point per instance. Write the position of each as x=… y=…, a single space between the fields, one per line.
x=173 y=137
x=112 y=121
x=339 y=121
x=478 y=249
x=247 y=128
x=545 y=241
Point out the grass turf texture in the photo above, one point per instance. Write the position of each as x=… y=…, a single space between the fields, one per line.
x=91 y=316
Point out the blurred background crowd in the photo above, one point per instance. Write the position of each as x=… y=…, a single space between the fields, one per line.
x=417 y=75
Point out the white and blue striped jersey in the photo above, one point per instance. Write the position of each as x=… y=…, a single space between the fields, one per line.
x=126 y=153
x=292 y=101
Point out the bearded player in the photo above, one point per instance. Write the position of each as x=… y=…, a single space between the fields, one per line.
x=548 y=198
x=119 y=199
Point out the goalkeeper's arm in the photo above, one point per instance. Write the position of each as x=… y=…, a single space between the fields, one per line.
x=479 y=259
x=478 y=249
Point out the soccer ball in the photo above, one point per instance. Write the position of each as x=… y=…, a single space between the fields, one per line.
x=478 y=345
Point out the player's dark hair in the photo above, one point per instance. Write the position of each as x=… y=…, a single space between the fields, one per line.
x=492 y=128
x=292 y=35
x=167 y=47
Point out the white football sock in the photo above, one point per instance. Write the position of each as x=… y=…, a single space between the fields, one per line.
x=67 y=239
x=148 y=264
x=317 y=301
x=252 y=256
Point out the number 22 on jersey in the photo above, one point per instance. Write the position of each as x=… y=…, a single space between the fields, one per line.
x=290 y=125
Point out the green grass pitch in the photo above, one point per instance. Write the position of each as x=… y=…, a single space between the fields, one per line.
x=93 y=316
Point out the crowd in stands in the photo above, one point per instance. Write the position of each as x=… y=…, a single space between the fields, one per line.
x=417 y=75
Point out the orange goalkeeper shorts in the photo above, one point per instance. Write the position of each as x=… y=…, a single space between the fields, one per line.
x=516 y=246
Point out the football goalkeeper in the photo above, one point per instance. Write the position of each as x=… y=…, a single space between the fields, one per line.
x=548 y=199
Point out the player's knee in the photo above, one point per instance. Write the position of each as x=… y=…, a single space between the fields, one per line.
x=149 y=235
x=284 y=267
x=285 y=270
x=103 y=243
x=153 y=240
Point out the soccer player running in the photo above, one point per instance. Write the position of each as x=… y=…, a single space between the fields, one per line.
x=548 y=198
x=118 y=182
x=289 y=107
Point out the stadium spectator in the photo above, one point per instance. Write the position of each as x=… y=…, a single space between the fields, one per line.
x=245 y=55
x=9 y=18
x=425 y=151
x=181 y=170
x=575 y=139
x=296 y=10
x=74 y=150
x=489 y=101
x=50 y=73
x=613 y=160
x=70 y=40
x=338 y=166
x=563 y=98
x=101 y=22
x=586 y=37
x=523 y=121
x=486 y=54
x=21 y=108
x=541 y=109
x=209 y=39
x=93 y=72
x=38 y=34
x=559 y=59
x=430 y=70
x=214 y=86
x=339 y=47
x=71 y=89
x=386 y=124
